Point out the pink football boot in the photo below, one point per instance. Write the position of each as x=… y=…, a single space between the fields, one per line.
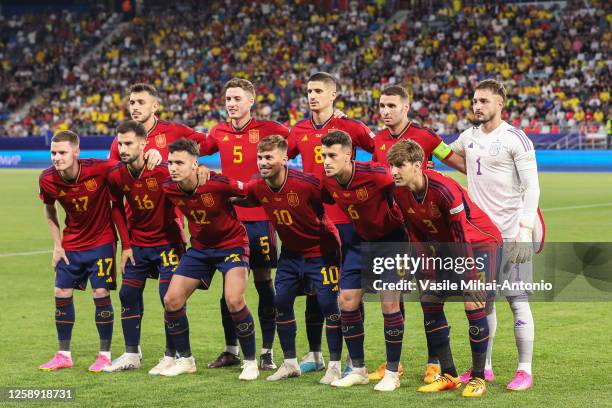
x=521 y=381
x=101 y=362
x=57 y=362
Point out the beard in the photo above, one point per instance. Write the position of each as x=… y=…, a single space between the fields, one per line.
x=485 y=119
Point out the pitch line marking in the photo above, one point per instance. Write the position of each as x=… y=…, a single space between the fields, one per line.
x=577 y=207
x=47 y=251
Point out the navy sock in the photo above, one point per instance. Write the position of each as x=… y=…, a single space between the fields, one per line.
x=177 y=325
x=170 y=350
x=394 y=334
x=130 y=296
x=104 y=321
x=437 y=331
x=479 y=339
x=287 y=329
x=245 y=330
x=266 y=312
x=314 y=323
x=352 y=330
x=333 y=333
x=64 y=321
x=229 y=329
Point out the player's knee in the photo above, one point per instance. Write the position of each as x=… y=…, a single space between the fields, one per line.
x=172 y=302
x=348 y=301
x=63 y=293
x=262 y=274
x=127 y=293
x=100 y=292
x=235 y=302
x=282 y=301
x=390 y=307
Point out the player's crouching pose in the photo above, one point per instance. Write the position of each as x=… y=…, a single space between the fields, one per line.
x=437 y=209
x=364 y=193
x=87 y=248
x=155 y=237
x=310 y=250
x=218 y=241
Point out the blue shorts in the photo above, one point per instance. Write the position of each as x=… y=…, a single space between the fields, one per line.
x=97 y=265
x=201 y=264
x=262 y=244
x=320 y=273
x=352 y=260
x=154 y=262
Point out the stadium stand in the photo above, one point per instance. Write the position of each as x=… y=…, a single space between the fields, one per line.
x=553 y=56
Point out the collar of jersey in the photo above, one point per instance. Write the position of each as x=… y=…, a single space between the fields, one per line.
x=402 y=131
x=282 y=185
x=235 y=129
x=317 y=127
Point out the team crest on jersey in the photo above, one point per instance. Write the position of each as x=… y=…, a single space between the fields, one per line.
x=160 y=140
x=362 y=193
x=152 y=184
x=293 y=199
x=435 y=211
x=495 y=148
x=207 y=200
x=91 y=185
x=254 y=136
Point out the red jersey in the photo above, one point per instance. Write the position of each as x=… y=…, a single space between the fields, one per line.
x=238 y=151
x=445 y=213
x=305 y=139
x=429 y=140
x=367 y=200
x=212 y=219
x=86 y=201
x=152 y=217
x=161 y=136
x=296 y=210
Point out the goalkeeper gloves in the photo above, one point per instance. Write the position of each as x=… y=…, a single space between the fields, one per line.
x=522 y=250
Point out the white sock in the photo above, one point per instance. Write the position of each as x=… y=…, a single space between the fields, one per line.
x=232 y=349
x=65 y=353
x=524 y=332
x=265 y=350
x=131 y=354
x=492 y=321
x=106 y=354
x=291 y=362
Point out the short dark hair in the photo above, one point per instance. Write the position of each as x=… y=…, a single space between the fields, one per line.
x=405 y=151
x=272 y=142
x=337 y=137
x=396 y=90
x=66 y=136
x=494 y=86
x=185 y=145
x=133 y=126
x=326 y=78
x=240 y=83
x=142 y=87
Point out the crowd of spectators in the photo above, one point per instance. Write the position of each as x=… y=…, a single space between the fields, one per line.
x=554 y=60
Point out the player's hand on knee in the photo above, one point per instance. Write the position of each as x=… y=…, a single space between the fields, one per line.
x=153 y=158
x=59 y=255
x=127 y=255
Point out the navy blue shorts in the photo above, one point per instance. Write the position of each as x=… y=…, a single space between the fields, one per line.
x=322 y=273
x=352 y=260
x=97 y=265
x=201 y=264
x=262 y=244
x=154 y=262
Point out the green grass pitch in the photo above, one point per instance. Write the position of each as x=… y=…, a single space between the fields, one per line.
x=572 y=362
